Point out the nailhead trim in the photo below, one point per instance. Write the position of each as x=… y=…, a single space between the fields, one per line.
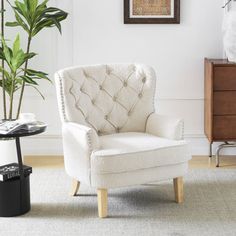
x=62 y=103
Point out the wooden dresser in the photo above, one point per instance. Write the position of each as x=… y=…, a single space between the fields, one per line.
x=220 y=101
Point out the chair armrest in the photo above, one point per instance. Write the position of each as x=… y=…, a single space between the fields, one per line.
x=84 y=136
x=165 y=126
x=78 y=143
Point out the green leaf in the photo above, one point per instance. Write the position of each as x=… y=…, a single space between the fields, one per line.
x=32 y=5
x=41 y=7
x=6 y=74
x=57 y=24
x=21 y=22
x=19 y=81
x=41 y=25
x=8 y=82
x=15 y=57
x=23 y=9
x=12 y=24
x=2 y=56
x=16 y=45
x=38 y=74
x=7 y=86
x=6 y=51
x=28 y=79
x=34 y=17
x=18 y=60
x=30 y=55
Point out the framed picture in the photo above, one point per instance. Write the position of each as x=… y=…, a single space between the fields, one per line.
x=151 y=11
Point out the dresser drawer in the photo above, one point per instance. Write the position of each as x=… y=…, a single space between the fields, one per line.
x=224 y=128
x=224 y=103
x=224 y=78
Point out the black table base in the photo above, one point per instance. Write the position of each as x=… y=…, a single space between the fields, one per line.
x=15 y=197
x=15 y=193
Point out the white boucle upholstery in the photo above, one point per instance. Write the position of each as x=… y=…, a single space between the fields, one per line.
x=125 y=152
x=165 y=126
x=142 y=176
x=112 y=136
x=108 y=98
x=79 y=142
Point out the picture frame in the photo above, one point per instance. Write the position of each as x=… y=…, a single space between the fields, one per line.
x=158 y=12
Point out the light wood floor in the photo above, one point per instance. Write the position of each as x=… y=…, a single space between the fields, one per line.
x=197 y=162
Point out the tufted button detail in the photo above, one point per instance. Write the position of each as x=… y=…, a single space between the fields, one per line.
x=99 y=132
x=118 y=88
x=140 y=95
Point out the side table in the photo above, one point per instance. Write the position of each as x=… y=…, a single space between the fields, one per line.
x=15 y=193
x=220 y=104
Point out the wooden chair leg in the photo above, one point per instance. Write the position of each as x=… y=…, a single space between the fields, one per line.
x=179 y=189
x=74 y=188
x=102 y=202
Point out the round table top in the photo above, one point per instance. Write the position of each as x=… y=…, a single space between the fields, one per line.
x=24 y=133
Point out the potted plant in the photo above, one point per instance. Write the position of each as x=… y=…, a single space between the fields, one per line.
x=33 y=17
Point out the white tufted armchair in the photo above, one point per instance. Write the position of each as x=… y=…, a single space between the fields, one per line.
x=112 y=136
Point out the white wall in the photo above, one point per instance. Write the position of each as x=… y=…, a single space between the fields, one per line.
x=95 y=33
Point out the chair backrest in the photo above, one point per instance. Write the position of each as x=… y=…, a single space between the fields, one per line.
x=109 y=98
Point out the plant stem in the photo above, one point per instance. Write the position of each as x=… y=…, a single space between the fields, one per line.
x=12 y=96
x=3 y=76
x=23 y=85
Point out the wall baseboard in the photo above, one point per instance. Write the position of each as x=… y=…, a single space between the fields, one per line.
x=52 y=145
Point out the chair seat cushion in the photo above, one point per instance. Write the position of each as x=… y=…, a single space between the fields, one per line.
x=124 y=152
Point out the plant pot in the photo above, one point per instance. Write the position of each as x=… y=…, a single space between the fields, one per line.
x=229 y=38
x=8 y=152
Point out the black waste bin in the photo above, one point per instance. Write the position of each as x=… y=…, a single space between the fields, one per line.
x=15 y=197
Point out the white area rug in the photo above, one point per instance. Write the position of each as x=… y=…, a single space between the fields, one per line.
x=209 y=208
